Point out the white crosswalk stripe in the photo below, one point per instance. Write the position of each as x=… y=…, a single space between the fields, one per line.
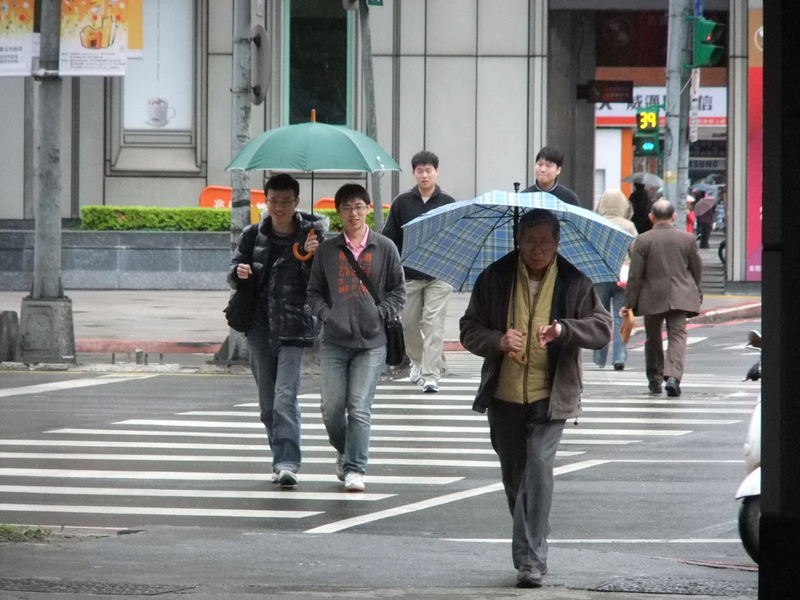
x=217 y=461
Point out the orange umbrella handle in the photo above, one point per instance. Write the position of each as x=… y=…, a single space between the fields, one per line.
x=520 y=359
x=296 y=249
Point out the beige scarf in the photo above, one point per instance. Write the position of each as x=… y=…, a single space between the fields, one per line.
x=530 y=382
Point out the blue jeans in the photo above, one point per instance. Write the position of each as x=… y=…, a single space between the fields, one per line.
x=348 y=378
x=277 y=374
x=612 y=297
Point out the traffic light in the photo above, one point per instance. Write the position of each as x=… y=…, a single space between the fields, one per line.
x=705 y=53
x=646 y=140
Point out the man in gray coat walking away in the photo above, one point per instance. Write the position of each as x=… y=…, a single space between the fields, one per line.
x=664 y=285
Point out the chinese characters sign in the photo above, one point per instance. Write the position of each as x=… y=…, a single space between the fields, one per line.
x=94 y=37
x=16 y=37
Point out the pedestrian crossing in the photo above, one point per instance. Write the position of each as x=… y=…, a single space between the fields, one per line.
x=212 y=466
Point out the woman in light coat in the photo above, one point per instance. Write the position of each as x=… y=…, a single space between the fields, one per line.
x=615 y=207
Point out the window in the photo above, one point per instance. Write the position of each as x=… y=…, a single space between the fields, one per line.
x=318 y=52
x=156 y=110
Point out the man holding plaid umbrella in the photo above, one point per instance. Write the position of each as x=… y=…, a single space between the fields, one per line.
x=529 y=316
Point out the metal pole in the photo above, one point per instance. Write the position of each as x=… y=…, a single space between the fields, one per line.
x=46 y=331
x=676 y=144
x=369 y=103
x=235 y=347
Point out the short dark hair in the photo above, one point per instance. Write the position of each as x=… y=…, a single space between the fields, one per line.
x=282 y=182
x=550 y=154
x=539 y=216
x=351 y=191
x=423 y=157
x=662 y=210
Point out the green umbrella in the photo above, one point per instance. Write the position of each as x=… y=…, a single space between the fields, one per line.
x=313 y=147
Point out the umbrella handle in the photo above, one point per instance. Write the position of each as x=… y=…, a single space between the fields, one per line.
x=296 y=248
x=520 y=359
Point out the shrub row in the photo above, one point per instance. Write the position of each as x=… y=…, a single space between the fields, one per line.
x=141 y=218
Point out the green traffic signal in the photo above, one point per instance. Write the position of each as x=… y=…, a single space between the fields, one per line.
x=705 y=53
x=646 y=145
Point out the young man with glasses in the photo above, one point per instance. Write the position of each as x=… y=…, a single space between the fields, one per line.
x=353 y=344
x=426 y=306
x=283 y=324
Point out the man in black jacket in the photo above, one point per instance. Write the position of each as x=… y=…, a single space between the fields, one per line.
x=547 y=168
x=283 y=324
x=426 y=302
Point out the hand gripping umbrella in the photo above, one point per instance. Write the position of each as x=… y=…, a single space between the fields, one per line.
x=313 y=147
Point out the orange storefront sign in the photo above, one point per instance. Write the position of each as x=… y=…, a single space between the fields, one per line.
x=218 y=196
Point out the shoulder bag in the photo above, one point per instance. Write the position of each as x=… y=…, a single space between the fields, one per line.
x=395 y=342
x=242 y=303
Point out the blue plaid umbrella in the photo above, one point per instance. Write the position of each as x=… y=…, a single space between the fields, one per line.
x=457 y=241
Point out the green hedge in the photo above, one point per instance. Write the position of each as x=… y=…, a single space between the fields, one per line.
x=141 y=218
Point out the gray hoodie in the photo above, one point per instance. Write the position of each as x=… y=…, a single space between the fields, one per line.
x=337 y=297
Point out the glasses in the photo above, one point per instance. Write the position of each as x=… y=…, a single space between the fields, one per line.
x=543 y=246
x=280 y=204
x=354 y=208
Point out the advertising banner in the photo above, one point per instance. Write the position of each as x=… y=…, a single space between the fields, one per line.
x=159 y=82
x=94 y=37
x=755 y=135
x=16 y=37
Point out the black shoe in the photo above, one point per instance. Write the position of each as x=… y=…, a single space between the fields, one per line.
x=619 y=366
x=529 y=576
x=655 y=387
x=673 y=387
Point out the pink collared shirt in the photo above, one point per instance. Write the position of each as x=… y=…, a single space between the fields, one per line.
x=357 y=250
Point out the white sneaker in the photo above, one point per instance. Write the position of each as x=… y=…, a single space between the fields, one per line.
x=415 y=376
x=274 y=477
x=430 y=387
x=287 y=479
x=353 y=482
x=340 y=466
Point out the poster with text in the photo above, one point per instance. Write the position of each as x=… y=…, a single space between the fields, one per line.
x=159 y=86
x=94 y=37
x=16 y=37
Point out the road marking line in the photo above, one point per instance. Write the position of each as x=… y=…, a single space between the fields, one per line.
x=373 y=438
x=376 y=427
x=176 y=493
x=149 y=510
x=432 y=502
x=604 y=541
x=205 y=476
x=73 y=384
x=200 y=458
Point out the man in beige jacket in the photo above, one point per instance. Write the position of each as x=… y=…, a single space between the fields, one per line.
x=664 y=285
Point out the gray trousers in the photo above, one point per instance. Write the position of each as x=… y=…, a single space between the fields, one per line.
x=526 y=441
x=655 y=367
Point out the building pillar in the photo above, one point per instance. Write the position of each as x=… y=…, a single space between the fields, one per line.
x=779 y=577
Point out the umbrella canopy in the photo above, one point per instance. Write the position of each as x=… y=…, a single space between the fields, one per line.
x=705 y=187
x=313 y=147
x=457 y=241
x=646 y=178
x=705 y=204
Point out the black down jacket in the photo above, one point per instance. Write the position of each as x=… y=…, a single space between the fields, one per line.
x=282 y=299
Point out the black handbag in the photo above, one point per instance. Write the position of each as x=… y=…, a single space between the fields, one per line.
x=241 y=308
x=242 y=303
x=395 y=341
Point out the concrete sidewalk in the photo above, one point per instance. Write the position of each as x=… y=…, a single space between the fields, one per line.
x=189 y=326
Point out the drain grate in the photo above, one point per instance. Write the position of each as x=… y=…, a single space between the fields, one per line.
x=686 y=587
x=54 y=586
